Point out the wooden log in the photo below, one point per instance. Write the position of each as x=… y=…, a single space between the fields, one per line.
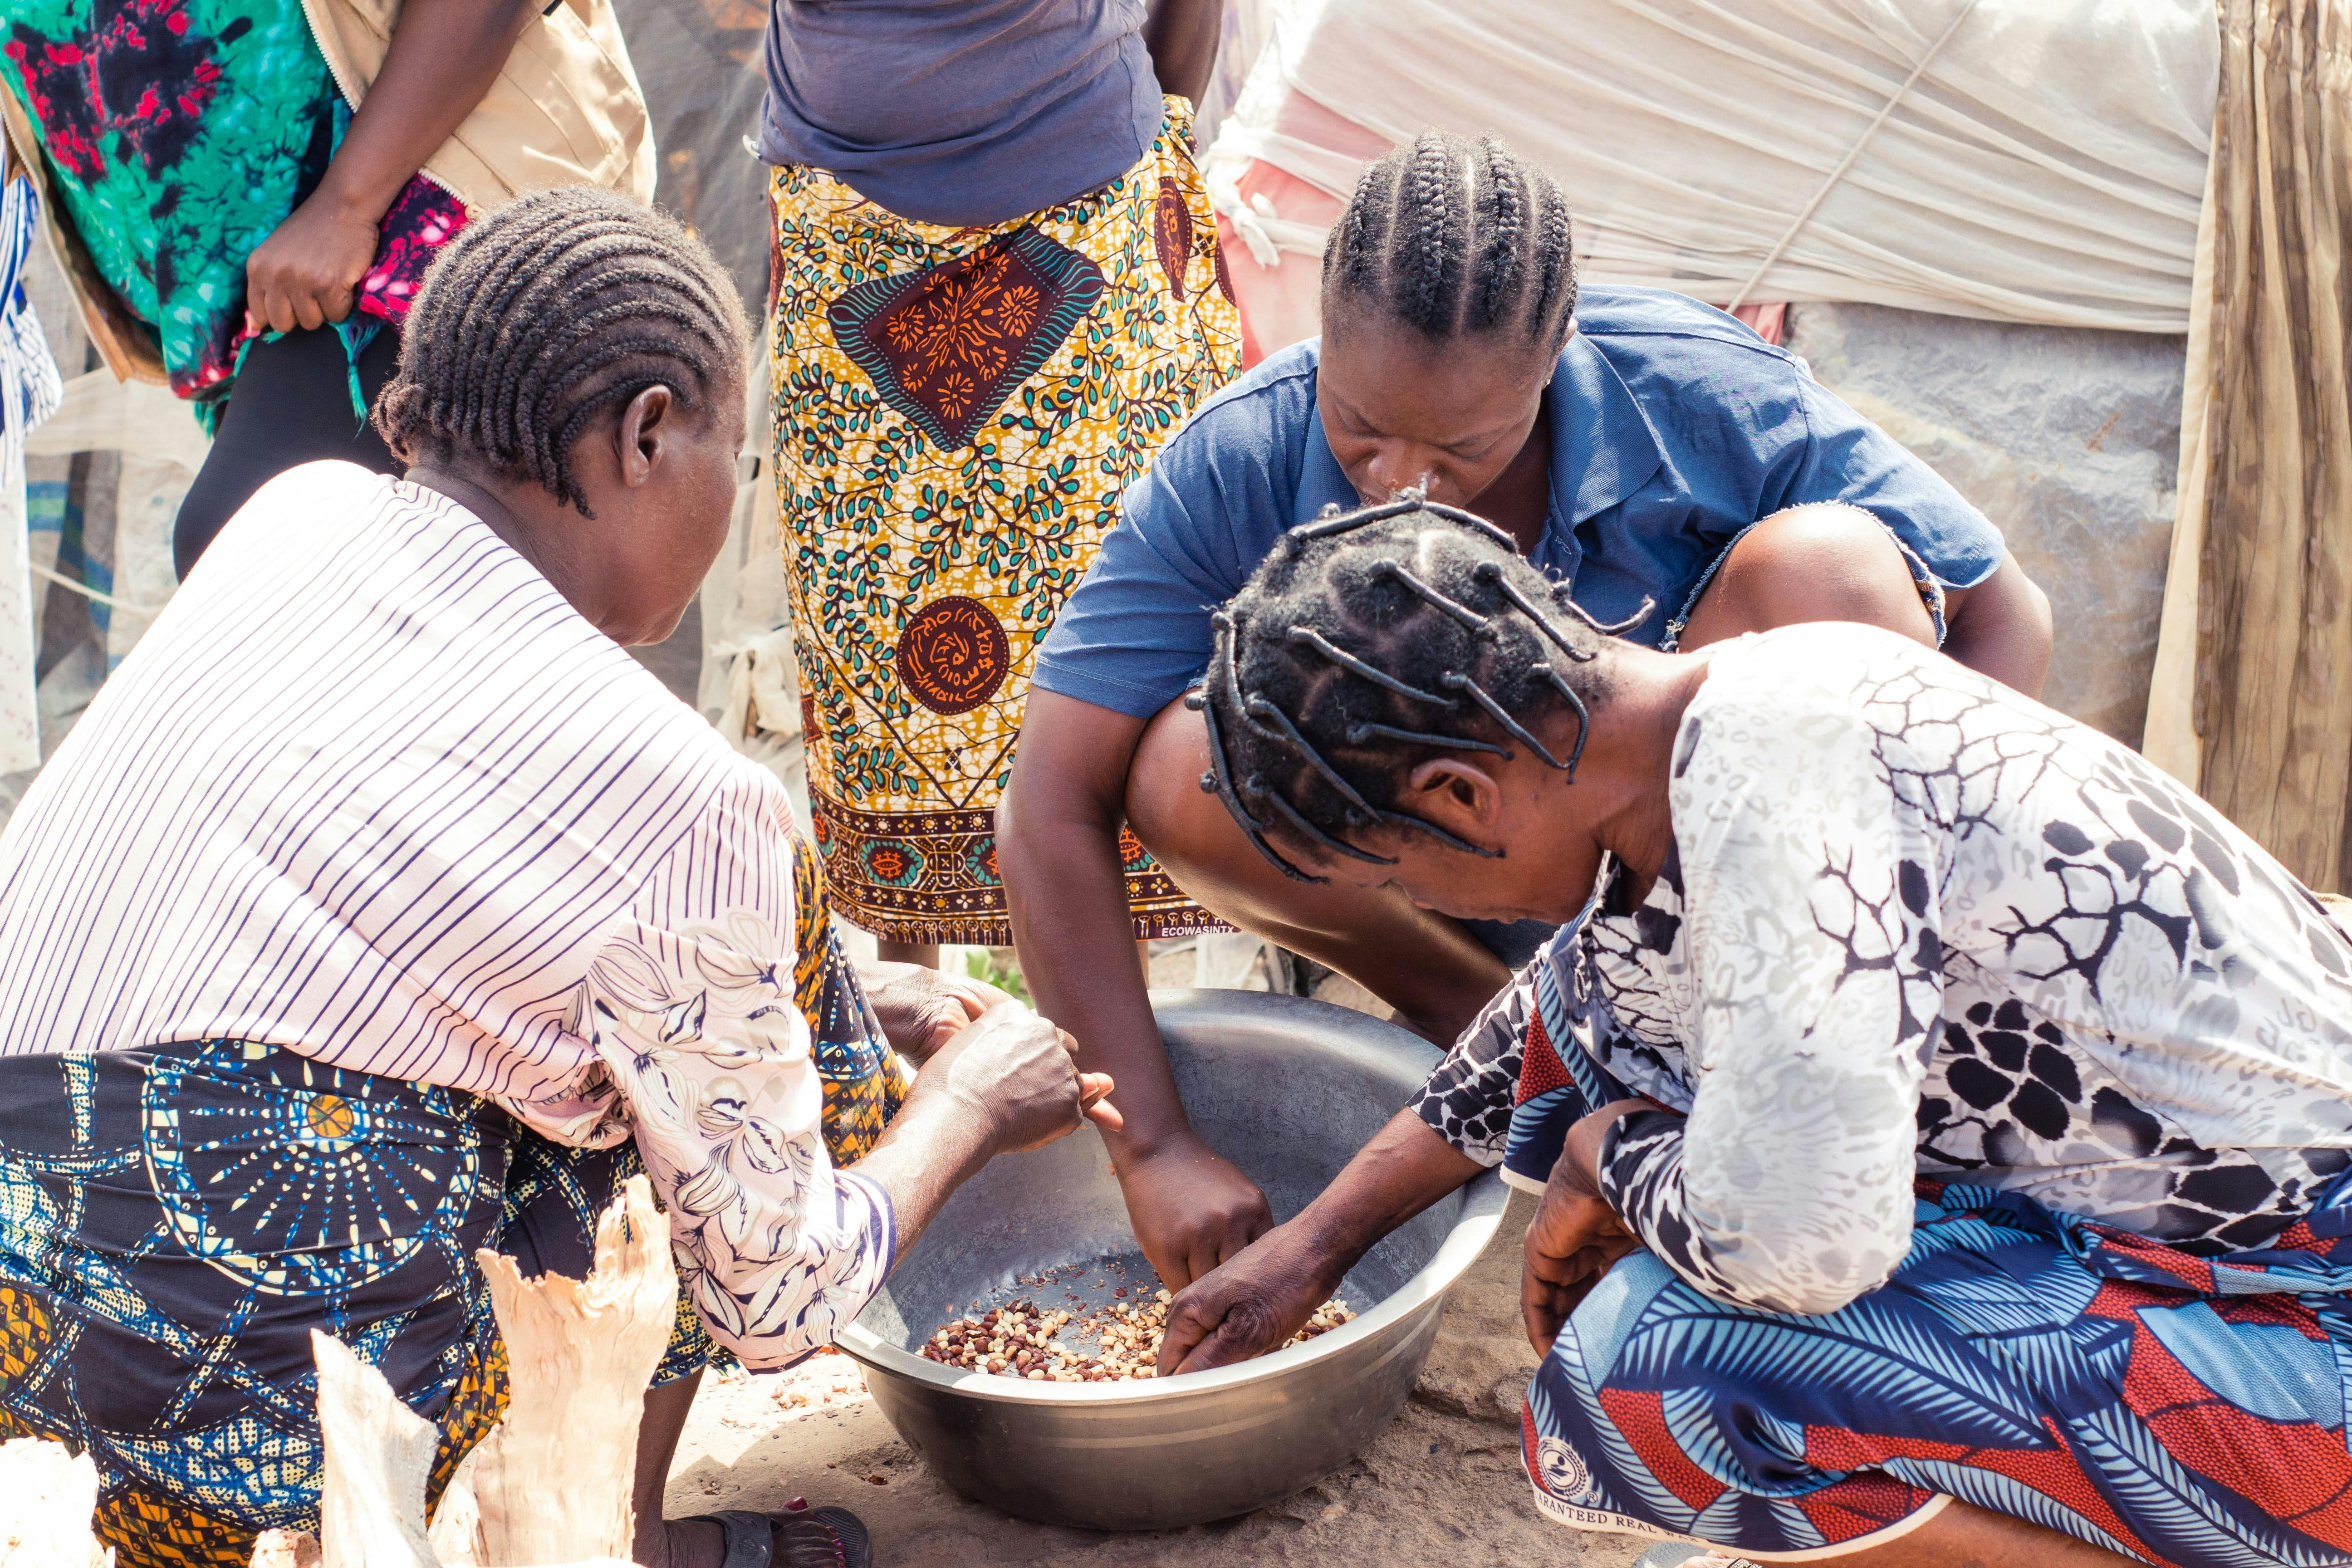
x=285 y=1549
x=553 y=1482
x=378 y=1455
x=372 y=1489
x=46 y=1497
x=2271 y=700
x=457 y=1532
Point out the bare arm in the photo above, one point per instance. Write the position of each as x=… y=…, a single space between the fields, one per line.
x=444 y=55
x=1057 y=850
x=1830 y=562
x=1182 y=37
x=2002 y=627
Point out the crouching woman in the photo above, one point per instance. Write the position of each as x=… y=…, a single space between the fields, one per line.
x=1941 y=1116
x=382 y=907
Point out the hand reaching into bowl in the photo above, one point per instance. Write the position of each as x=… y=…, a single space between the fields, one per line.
x=1250 y=1305
x=1191 y=1209
x=1257 y=1300
x=1005 y=1082
x=1014 y=1072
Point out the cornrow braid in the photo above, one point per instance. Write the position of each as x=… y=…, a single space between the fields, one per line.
x=549 y=316
x=1455 y=238
x=1370 y=641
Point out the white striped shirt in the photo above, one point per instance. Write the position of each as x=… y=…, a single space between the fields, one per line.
x=371 y=790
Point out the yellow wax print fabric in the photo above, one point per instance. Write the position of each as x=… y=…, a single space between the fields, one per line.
x=957 y=413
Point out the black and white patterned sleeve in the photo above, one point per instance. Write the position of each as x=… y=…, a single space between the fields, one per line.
x=1468 y=1101
x=1812 y=917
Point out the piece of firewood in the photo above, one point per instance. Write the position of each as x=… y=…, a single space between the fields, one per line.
x=371 y=1486
x=457 y=1530
x=378 y=1453
x=553 y=1481
x=46 y=1497
x=285 y=1549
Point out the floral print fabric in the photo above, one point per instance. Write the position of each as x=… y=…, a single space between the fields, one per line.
x=180 y=135
x=705 y=1059
x=957 y=413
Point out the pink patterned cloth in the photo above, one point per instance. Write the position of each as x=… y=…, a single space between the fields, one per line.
x=423 y=218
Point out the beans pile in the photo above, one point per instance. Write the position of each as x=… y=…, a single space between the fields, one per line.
x=1024 y=1341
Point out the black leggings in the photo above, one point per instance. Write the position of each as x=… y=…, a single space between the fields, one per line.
x=291 y=404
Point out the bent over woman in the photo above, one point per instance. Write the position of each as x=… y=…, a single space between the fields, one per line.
x=382 y=908
x=1678 y=472
x=1942 y=1118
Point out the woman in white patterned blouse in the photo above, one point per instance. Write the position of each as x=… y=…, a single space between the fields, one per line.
x=1941 y=1116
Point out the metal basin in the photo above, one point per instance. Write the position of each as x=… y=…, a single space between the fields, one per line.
x=1287 y=1090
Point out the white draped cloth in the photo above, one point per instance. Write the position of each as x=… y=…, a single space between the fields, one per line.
x=2045 y=165
x=29 y=392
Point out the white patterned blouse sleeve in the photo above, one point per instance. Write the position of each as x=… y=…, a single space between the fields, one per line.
x=1811 y=912
x=689 y=1008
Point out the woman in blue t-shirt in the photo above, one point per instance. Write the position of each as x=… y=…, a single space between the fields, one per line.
x=1651 y=454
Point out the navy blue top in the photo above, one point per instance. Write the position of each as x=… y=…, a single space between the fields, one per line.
x=1673 y=427
x=961 y=112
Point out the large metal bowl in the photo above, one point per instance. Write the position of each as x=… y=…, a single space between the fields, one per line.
x=1287 y=1090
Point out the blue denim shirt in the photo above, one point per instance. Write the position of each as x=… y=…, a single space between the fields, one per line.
x=1673 y=428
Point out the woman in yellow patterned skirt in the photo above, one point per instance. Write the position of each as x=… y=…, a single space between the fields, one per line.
x=981 y=338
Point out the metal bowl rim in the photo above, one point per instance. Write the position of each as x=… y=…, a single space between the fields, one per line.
x=1484 y=1198
x=1383 y=1045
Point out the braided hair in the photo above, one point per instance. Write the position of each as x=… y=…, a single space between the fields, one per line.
x=1455 y=238
x=1369 y=642
x=548 y=315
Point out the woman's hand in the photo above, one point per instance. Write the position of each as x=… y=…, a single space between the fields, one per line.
x=1250 y=1305
x=1006 y=1083
x=1191 y=1209
x=1576 y=1235
x=307 y=273
x=1014 y=1072
x=921 y=1009
x=1261 y=1297
x=443 y=57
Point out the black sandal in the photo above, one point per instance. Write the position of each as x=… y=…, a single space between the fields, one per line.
x=806 y=1538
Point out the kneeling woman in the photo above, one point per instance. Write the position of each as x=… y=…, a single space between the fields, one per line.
x=381 y=883
x=1962 y=1105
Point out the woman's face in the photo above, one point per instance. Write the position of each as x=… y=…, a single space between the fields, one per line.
x=1400 y=410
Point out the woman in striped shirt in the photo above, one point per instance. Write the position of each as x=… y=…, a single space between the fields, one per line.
x=382 y=908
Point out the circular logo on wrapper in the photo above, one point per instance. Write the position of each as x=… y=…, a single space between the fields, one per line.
x=1564 y=1472
x=954 y=655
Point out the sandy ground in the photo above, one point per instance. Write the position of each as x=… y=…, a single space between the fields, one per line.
x=1442 y=1485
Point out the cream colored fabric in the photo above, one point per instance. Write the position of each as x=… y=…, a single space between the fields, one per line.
x=2046 y=166
x=2267 y=505
x=565 y=110
x=751 y=679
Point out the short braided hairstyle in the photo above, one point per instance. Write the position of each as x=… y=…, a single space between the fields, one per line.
x=548 y=315
x=1455 y=238
x=1371 y=641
